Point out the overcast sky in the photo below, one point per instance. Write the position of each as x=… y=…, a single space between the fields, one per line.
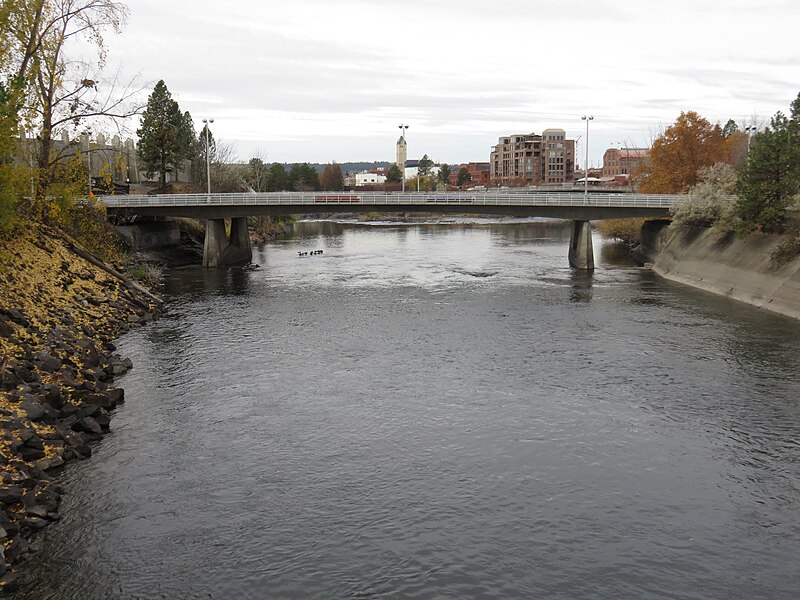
x=322 y=80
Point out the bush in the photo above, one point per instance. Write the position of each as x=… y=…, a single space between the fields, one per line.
x=628 y=231
x=710 y=201
x=785 y=252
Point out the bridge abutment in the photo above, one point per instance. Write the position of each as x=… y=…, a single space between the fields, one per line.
x=222 y=250
x=581 y=254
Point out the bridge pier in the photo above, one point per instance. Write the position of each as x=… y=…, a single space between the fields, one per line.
x=221 y=250
x=581 y=254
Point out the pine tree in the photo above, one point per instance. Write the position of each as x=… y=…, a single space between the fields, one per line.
x=166 y=136
x=771 y=177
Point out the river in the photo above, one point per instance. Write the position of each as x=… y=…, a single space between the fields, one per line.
x=440 y=411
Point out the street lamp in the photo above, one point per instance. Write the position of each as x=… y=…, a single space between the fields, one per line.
x=750 y=129
x=586 y=118
x=208 y=155
x=403 y=167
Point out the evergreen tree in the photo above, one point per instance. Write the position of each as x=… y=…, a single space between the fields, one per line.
x=278 y=178
x=164 y=134
x=730 y=128
x=444 y=173
x=394 y=174
x=463 y=176
x=771 y=176
x=303 y=178
x=424 y=165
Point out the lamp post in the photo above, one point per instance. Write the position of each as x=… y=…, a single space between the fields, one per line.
x=586 y=118
x=403 y=166
x=207 y=122
x=750 y=129
x=89 y=159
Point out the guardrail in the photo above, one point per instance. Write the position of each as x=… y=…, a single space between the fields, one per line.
x=313 y=199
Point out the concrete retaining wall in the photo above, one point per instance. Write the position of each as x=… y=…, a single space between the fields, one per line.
x=739 y=268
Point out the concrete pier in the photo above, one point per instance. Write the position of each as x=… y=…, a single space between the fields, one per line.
x=221 y=250
x=581 y=254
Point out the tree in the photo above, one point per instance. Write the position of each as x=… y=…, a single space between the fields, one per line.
x=257 y=174
x=677 y=154
x=463 y=177
x=163 y=135
x=444 y=173
x=771 y=176
x=332 y=178
x=730 y=128
x=45 y=90
x=424 y=165
x=278 y=178
x=394 y=174
x=710 y=200
x=303 y=178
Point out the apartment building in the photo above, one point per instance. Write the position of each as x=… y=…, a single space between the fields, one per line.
x=531 y=159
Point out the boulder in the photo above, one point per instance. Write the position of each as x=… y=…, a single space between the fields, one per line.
x=10 y=494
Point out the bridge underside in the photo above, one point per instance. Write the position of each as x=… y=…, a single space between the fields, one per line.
x=223 y=249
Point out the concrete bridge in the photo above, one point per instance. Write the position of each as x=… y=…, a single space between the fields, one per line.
x=222 y=249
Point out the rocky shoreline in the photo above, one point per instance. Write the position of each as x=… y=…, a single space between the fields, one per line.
x=60 y=310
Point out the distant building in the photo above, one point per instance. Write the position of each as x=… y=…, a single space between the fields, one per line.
x=531 y=159
x=479 y=173
x=369 y=179
x=623 y=161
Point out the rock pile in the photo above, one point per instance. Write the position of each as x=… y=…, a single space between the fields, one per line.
x=59 y=313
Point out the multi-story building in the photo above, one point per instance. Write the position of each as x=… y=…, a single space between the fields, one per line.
x=531 y=159
x=622 y=161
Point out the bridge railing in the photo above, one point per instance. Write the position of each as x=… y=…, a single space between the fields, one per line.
x=310 y=199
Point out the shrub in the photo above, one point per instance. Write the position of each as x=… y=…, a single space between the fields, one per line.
x=710 y=201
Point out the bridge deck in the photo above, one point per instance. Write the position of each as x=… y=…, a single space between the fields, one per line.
x=570 y=205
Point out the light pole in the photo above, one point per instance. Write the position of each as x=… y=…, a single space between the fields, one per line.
x=586 y=118
x=89 y=159
x=403 y=166
x=207 y=122
x=750 y=129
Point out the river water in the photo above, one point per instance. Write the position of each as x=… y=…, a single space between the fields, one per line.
x=440 y=411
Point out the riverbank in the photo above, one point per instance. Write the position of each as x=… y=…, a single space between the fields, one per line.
x=60 y=310
x=741 y=268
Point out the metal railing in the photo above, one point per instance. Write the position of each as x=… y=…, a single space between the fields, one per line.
x=426 y=199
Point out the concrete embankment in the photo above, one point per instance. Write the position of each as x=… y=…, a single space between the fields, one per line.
x=60 y=309
x=740 y=268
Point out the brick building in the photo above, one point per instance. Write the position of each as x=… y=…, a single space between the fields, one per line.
x=478 y=172
x=531 y=159
x=622 y=161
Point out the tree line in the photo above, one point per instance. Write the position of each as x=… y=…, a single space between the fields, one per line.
x=739 y=181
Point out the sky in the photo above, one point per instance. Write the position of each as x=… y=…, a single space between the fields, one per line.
x=323 y=80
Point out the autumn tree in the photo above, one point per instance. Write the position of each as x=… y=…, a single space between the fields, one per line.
x=46 y=90
x=676 y=155
x=332 y=178
x=164 y=134
x=771 y=177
